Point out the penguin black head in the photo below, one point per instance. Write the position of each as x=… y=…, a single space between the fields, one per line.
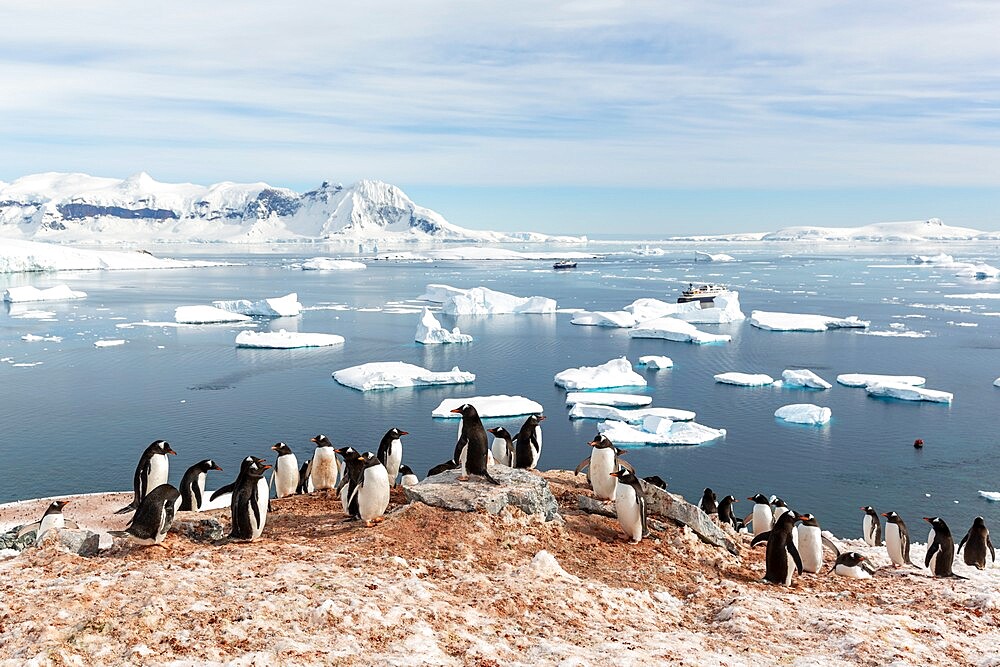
x=891 y=517
x=500 y=432
x=760 y=499
x=979 y=522
x=533 y=420
x=281 y=448
x=466 y=410
x=808 y=520
x=789 y=518
x=623 y=475
x=206 y=465
x=776 y=501
x=161 y=447
x=938 y=523
x=601 y=441
x=869 y=510
x=370 y=460
x=405 y=470
x=729 y=499
x=322 y=441
x=348 y=453
x=56 y=507
x=850 y=559
x=396 y=433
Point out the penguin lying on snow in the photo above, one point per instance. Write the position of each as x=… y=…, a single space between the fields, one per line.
x=976 y=542
x=781 y=557
x=193 y=485
x=152 y=519
x=150 y=472
x=52 y=519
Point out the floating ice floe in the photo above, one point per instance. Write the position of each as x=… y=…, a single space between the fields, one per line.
x=438 y=293
x=678 y=433
x=745 y=379
x=700 y=256
x=991 y=495
x=940 y=258
x=430 y=331
x=32 y=338
x=725 y=309
x=17 y=256
x=607 y=412
x=865 y=379
x=614 y=373
x=206 y=315
x=978 y=296
x=380 y=375
x=996 y=383
x=771 y=321
x=804 y=413
x=279 y=306
x=978 y=271
x=330 y=264
x=484 y=301
x=29 y=293
x=608 y=398
x=615 y=318
x=671 y=328
x=489 y=406
x=655 y=362
x=907 y=392
x=109 y=343
x=285 y=340
x=803 y=378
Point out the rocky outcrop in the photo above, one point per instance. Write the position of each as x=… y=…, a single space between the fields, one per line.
x=522 y=489
x=199 y=530
x=675 y=508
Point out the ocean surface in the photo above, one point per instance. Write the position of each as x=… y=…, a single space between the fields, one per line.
x=74 y=417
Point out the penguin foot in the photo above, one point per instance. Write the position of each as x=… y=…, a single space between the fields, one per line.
x=464 y=479
x=378 y=519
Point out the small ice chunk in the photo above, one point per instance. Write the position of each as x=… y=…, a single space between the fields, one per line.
x=608 y=398
x=109 y=343
x=206 y=315
x=330 y=264
x=32 y=338
x=865 y=379
x=803 y=378
x=617 y=318
x=489 y=406
x=430 y=331
x=771 y=321
x=381 y=375
x=804 y=413
x=279 y=306
x=655 y=363
x=908 y=392
x=700 y=256
x=614 y=373
x=31 y=293
x=285 y=340
x=671 y=328
x=745 y=379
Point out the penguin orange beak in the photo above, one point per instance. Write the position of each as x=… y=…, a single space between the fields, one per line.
x=592 y=443
x=614 y=474
x=456 y=411
x=541 y=418
x=216 y=468
x=313 y=440
x=885 y=514
x=928 y=519
x=404 y=433
x=265 y=466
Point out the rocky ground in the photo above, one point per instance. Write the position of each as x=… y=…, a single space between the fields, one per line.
x=434 y=587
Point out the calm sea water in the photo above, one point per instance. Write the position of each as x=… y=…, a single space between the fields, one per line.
x=77 y=420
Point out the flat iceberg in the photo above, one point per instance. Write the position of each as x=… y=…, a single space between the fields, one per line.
x=804 y=413
x=438 y=293
x=206 y=315
x=484 y=301
x=430 y=331
x=17 y=256
x=980 y=271
x=608 y=398
x=285 y=340
x=646 y=309
x=655 y=362
x=679 y=433
x=907 y=392
x=616 y=318
x=991 y=495
x=109 y=343
x=803 y=378
x=797 y=322
x=865 y=379
x=29 y=293
x=489 y=406
x=671 y=328
x=379 y=375
x=940 y=258
x=279 y=306
x=700 y=256
x=725 y=308
x=996 y=383
x=614 y=373
x=607 y=412
x=330 y=264
x=745 y=379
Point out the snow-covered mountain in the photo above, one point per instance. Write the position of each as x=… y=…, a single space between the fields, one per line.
x=916 y=231
x=81 y=208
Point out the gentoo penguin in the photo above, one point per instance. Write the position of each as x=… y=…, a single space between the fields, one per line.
x=528 y=443
x=193 y=484
x=390 y=452
x=407 y=478
x=286 y=471
x=503 y=445
x=353 y=470
x=53 y=518
x=152 y=519
x=603 y=461
x=781 y=557
x=726 y=515
x=656 y=481
x=761 y=517
x=150 y=472
x=373 y=490
x=871 y=527
x=779 y=507
x=324 y=469
x=229 y=488
x=473 y=441
x=442 y=467
x=709 y=503
x=248 y=507
x=853 y=565
x=976 y=542
x=897 y=540
x=305 y=480
x=810 y=543
x=940 y=554
x=630 y=504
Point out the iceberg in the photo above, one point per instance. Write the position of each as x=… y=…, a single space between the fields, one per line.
x=608 y=398
x=863 y=379
x=484 y=301
x=940 y=258
x=671 y=328
x=804 y=413
x=330 y=264
x=650 y=309
x=700 y=256
x=679 y=433
x=803 y=378
x=29 y=293
x=978 y=271
x=797 y=322
x=430 y=331
x=907 y=392
x=17 y=256
x=614 y=373
x=745 y=379
x=440 y=293
x=109 y=342
x=285 y=340
x=996 y=383
x=616 y=318
x=725 y=308
x=991 y=495
x=607 y=412
x=381 y=375
x=655 y=362
x=489 y=406
x=206 y=315
x=279 y=306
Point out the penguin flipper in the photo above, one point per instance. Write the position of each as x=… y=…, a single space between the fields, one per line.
x=747 y=519
x=128 y=508
x=584 y=464
x=868 y=567
x=962 y=543
x=625 y=464
x=222 y=490
x=990 y=545
x=760 y=538
x=29 y=528
x=489 y=478
x=829 y=544
x=933 y=549
x=255 y=507
x=196 y=492
x=794 y=552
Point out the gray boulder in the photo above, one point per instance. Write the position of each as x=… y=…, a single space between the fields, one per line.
x=199 y=530
x=74 y=540
x=10 y=540
x=522 y=489
x=674 y=507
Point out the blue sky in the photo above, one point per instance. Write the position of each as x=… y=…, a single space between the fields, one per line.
x=648 y=118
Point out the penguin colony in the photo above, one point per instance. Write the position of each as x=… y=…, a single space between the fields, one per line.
x=362 y=482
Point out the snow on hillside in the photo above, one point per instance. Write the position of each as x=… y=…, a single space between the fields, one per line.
x=18 y=256
x=81 y=208
x=918 y=230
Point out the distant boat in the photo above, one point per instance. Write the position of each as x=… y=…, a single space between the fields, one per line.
x=704 y=293
x=564 y=264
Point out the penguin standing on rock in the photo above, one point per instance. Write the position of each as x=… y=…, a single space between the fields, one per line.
x=725 y=511
x=152 y=519
x=603 y=461
x=976 y=542
x=528 y=443
x=373 y=490
x=390 y=452
x=151 y=471
x=761 y=516
x=781 y=557
x=472 y=445
x=324 y=469
x=630 y=505
x=708 y=503
x=285 y=477
x=897 y=540
x=193 y=485
x=503 y=445
x=52 y=519
x=249 y=505
x=871 y=527
x=940 y=554
x=407 y=478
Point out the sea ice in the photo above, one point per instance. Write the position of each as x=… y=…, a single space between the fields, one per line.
x=745 y=379
x=17 y=256
x=608 y=398
x=679 y=433
x=614 y=373
x=285 y=340
x=439 y=293
x=700 y=256
x=865 y=379
x=330 y=264
x=32 y=338
x=484 y=301
x=671 y=328
x=991 y=495
x=978 y=271
x=797 y=322
x=907 y=392
x=430 y=331
x=803 y=378
x=206 y=315
x=279 y=306
x=725 y=309
x=804 y=413
x=940 y=258
x=607 y=412
x=655 y=362
x=996 y=383
x=30 y=293
x=394 y=374
x=109 y=343
x=489 y=406
x=615 y=318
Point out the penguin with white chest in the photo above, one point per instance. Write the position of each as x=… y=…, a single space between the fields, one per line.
x=781 y=557
x=503 y=445
x=871 y=527
x=810 y=543
x=897 y=540
x=472 y=448
x=192 y=487
x=603 y=461
x=725 y=511
x=761 y=517
x=407 y=476
x=248 y=508
x=324 y=470
x=528 y=443
x=853 y=565
x=152 y=519
x=285 y=477
x=152 y=471
x=940 y=555
x=630 y=505
x=353 y=470
x=976 y=542
x=52 y=519
x=372 y=490
x=390 y=452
